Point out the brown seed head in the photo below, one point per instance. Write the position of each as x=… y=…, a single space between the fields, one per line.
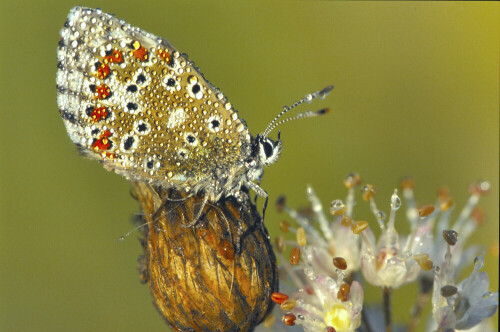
x=228 y=279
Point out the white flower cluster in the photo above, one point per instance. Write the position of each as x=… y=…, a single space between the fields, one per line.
x=321 y=284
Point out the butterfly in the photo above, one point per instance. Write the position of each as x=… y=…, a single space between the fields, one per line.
x=132 y=101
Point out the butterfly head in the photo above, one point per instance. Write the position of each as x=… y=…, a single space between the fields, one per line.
x=267 y=150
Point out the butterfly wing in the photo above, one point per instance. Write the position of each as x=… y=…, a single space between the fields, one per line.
x=132 y=101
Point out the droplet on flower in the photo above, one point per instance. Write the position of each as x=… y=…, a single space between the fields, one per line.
x=425 y=211
x=346 y=221
x=359 y=226
x=407 y=183
x=279 y=243
x=381 y=215
x=284 y=226
x=448 y=290
x=278 y=297
x=288 y=304
x=343 y=293
x=301 y=236
x=395 y=201
x=280 y=203
x=340 y=263
x=337 y=208
x=481 y=187
x=295 y=256
x=450 y=236
x=289 y=319
x=368 y=191
x=352 y=180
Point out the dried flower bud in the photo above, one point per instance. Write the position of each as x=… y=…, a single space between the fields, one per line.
x=234 y=276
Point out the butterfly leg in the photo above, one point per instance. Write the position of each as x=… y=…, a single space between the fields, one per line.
x=198 y=214
x=164 y=203
x=260 y=192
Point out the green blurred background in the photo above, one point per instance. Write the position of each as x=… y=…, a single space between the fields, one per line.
x=416 y=93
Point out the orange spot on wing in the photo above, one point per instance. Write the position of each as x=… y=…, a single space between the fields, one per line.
x=102 y=91
x=115 y=57
x=141 y=53
x=99 y=114
x=165 y=56
x=103 y=143
x=103 y=71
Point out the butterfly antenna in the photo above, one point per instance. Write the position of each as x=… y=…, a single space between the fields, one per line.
x=122 y=238
x=308 y=98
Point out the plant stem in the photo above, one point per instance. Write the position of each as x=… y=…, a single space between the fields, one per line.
x=366 y=322
x=386 y=295
x=417 y=311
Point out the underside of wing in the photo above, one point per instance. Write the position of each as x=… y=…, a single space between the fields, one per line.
x=132 y=101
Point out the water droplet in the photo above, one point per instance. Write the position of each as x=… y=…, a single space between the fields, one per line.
x=381 y=215
x=337 y=207
x=395 y=201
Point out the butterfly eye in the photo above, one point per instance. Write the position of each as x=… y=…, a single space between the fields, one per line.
x=268 y=149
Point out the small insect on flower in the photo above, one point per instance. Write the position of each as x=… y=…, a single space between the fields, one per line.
x=217 y=276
